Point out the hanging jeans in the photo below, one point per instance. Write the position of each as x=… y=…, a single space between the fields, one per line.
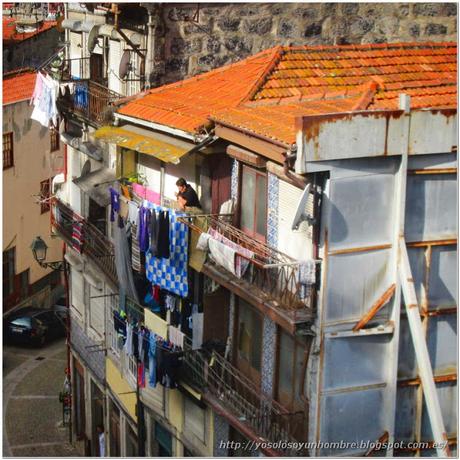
x=152 y=360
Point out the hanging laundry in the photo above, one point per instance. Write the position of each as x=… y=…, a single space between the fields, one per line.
x=197 y=256
x=170 y=302
x=140 y=344
x=77 y=236
x=136 y=261
x=129 y=340
x=146 y=194
x=133 y=212
x=163 y=249
x=141 y=375
x=44 y=100
x=176 y=336
x=153 y=360
x=222 y=255
x=143 y=228
x=122 y=261
x=241 y=264
x=171 y=273
x=153 y=230
x=114 y=203
x=80 y=99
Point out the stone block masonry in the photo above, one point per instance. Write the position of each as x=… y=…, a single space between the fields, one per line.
x=228 y=32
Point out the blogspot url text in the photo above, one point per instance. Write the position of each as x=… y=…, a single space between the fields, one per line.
x=291 y=445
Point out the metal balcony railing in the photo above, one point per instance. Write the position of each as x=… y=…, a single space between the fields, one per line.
x=269 y=420
x=91 y=101
x=94 y=244
x=275 y=274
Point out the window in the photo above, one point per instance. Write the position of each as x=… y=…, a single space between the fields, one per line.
x=253 y=217
x=54 y=139
x=194 y=419
x=44 y=196
x=8 y=158
x=9 y=262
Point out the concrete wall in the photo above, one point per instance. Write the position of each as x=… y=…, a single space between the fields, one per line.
x=22 y=220
x=227 y=32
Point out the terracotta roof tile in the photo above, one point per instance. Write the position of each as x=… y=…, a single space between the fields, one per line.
x=10 y=34
x=18 y=85
x=265 y=92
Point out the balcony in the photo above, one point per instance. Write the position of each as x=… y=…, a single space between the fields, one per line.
x=272 y=277
x=94 y=244
x=233 y=396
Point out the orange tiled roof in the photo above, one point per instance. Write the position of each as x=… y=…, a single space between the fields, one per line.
x=10 y=34
x=285 y=82
x=18 y=85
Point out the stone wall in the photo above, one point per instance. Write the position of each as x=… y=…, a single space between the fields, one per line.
x=190 y=42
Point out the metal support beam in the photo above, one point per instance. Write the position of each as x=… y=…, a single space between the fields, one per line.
x=421 y=352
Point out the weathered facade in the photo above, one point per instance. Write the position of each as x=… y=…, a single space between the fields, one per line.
x=298 y=137
x=30 y=159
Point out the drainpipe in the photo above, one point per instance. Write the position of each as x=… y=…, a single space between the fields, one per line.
x=66 y=32
x=289 y=157
x=150 y=61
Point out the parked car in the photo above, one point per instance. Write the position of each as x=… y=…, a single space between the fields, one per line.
x=33 y=325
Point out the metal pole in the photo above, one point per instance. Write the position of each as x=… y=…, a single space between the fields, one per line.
x=140 y=418
x=421 y=353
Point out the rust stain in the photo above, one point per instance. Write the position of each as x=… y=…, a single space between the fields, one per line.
x=447 y=112
x=360 y=249
x=417 y=381
x=417 y=244
x=383 y=300
x=432 y=171
x=445 y=311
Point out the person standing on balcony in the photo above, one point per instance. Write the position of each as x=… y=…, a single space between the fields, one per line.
x=186 y=196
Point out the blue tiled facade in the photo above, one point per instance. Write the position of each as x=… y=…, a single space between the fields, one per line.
x=268 y=356
x=272 y=210
x=235 y=173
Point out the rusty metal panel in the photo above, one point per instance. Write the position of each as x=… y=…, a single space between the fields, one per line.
x=431 y=207
x=385 y=135
x=357 y=205
x=371 y=349
x=442 y=289
x=355 y=282
x=447 y=394
x=442 y=334
x=406 y=398
x=407 y=365
x=352 y=417
x=432 y=132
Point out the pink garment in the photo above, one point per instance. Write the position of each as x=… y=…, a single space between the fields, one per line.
x=146 y=193
x=37 y=89
x=241 y=264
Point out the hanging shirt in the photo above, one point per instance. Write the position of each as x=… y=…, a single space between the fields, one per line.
x=152 y=360
x=114 y=203
x=143 y=228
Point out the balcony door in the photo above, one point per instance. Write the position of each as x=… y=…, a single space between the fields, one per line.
x=96 y=66
x=248 y=341
x=253 y=203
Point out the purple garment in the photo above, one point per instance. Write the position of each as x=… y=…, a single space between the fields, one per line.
x=114 y=203
x=143 y=228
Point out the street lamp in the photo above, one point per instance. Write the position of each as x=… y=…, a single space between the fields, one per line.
x=39 y=249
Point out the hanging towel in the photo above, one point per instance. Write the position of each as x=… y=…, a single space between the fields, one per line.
x=203 y=242
x=77 y=236
x=133 y=212
x=135 y=251
x=222 y=255
x=141 y=375
x=163 y=235
x=147 y=194
x=241 y=264
x=176 y=337
x=153 y=360
x=197 y=255
x=129 y=340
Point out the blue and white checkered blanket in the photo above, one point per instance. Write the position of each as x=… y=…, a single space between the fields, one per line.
x=170 y=274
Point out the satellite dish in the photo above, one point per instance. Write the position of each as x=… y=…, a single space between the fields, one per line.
x=86 y=168
x=124 y=65
x=300 y=215
x=92 y=38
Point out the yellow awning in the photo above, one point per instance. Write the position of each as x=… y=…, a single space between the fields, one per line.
x=143 y=141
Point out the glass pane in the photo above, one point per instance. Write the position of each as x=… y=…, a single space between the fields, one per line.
x=286 y=355
x=247 y=200
x=261 y=205
x=22 y=321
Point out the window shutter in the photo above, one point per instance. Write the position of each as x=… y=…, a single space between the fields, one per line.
x=96 y=310
x=77 y=293
x=115 y=53
x=290 y=241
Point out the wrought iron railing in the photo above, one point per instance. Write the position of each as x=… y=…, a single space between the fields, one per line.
x=269 y=420
x=274 y=273
x=94 y=244
x=91 y=101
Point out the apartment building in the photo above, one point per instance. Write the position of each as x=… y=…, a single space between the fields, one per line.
x=326 y=190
